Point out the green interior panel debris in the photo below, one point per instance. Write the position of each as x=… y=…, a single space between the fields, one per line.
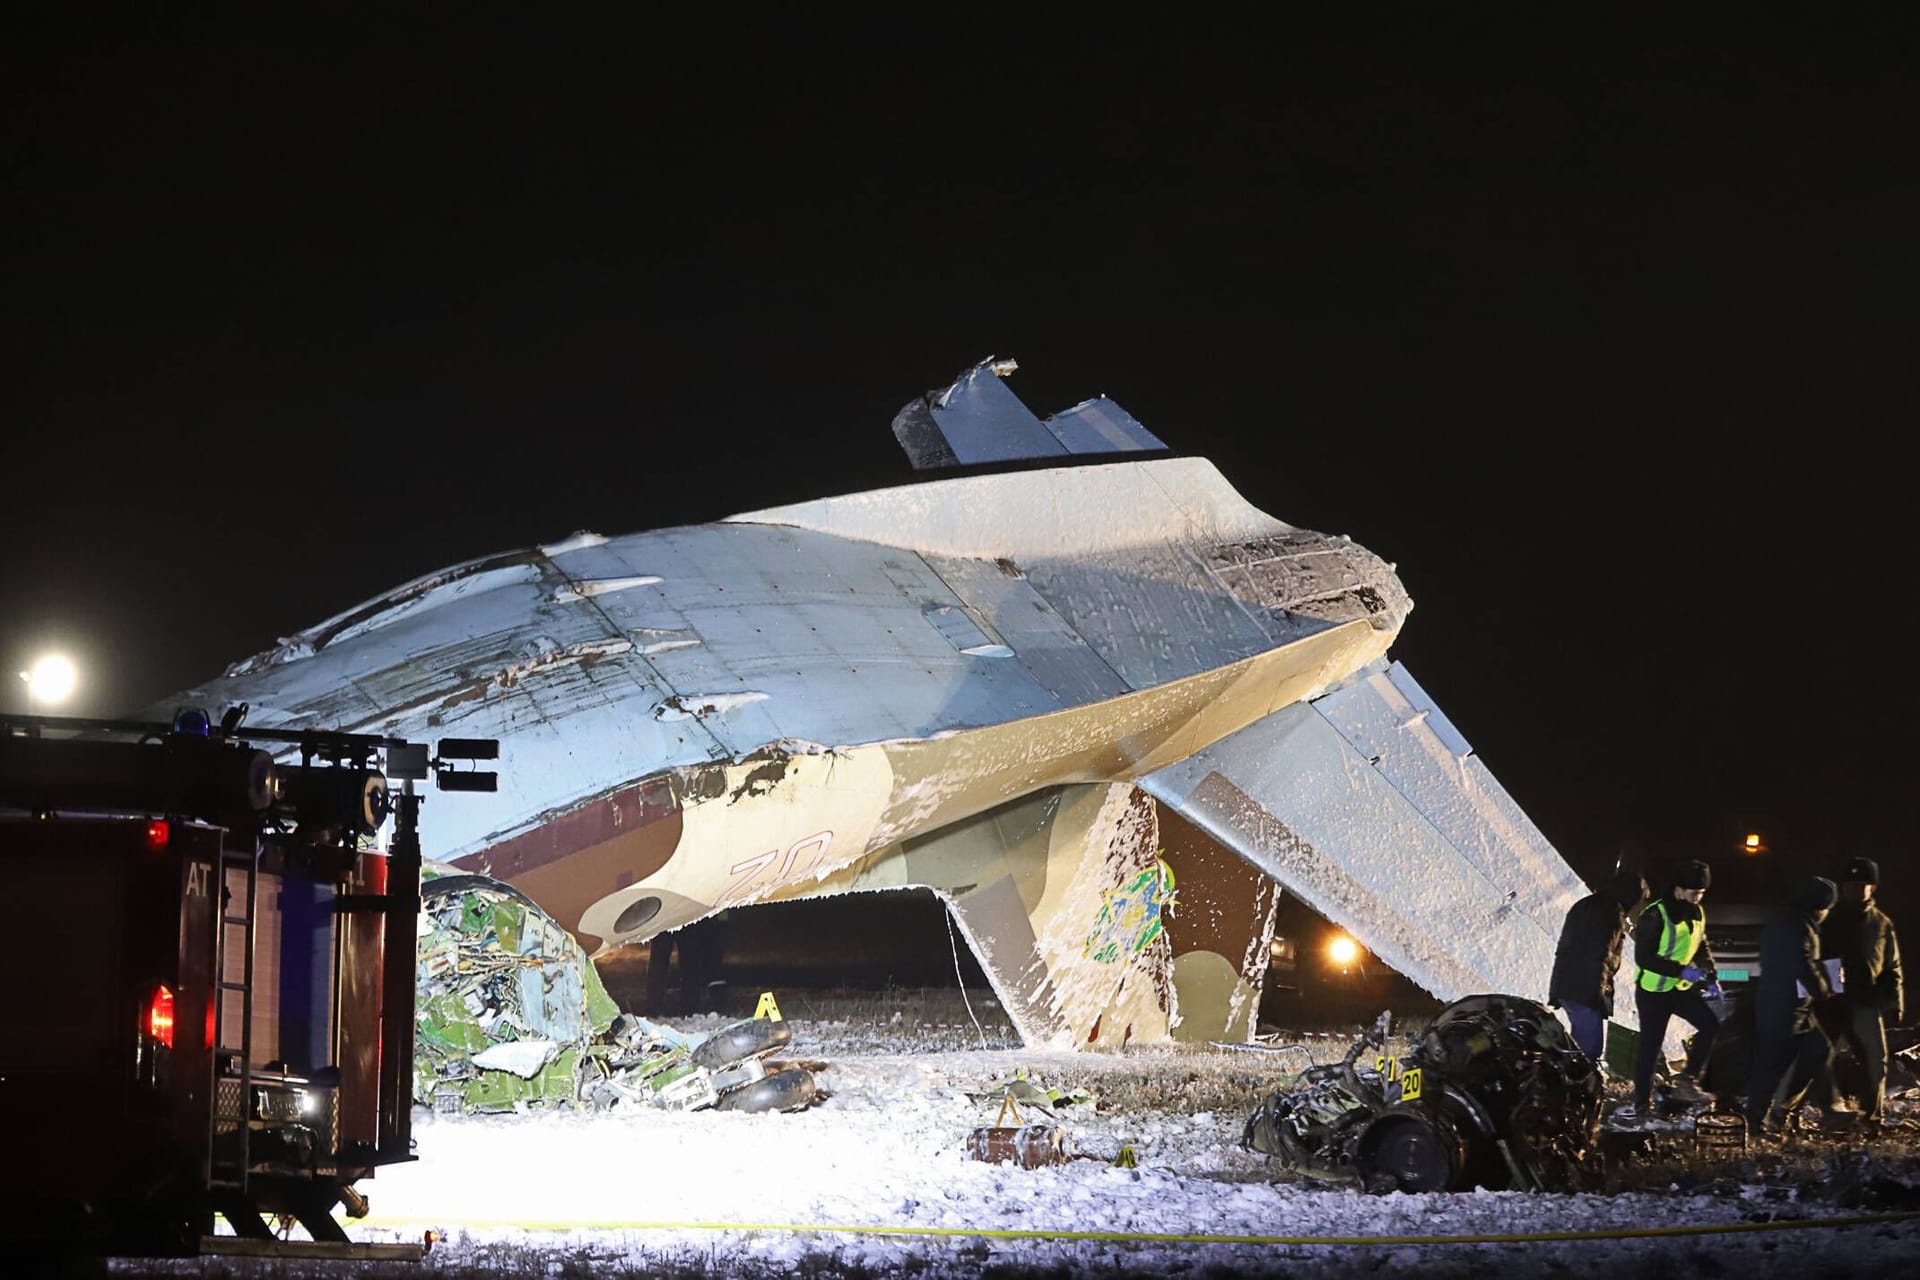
x=512 y=1014
x=443 y=1026
x=506 y=925
x=601 y=1010
x=496 y=970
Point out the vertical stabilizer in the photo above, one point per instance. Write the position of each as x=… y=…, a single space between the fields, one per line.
x=977 y=421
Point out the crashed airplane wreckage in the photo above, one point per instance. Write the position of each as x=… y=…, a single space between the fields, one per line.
x=1104 y=707
x=1494 y=1094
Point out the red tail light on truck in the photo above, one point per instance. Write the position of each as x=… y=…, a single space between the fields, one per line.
x=157 y=1021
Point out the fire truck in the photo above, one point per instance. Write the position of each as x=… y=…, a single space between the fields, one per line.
x=211 y=999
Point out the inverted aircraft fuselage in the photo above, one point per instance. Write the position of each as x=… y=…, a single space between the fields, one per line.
x=995 y=686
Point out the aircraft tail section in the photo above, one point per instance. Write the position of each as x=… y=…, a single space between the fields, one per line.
x=1094 y=928
x=1369 y=805
x=977 y=421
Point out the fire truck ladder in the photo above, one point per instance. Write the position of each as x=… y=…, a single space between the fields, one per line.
x=233 y=1062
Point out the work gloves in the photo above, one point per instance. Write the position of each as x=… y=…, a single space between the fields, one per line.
x=1691 y=974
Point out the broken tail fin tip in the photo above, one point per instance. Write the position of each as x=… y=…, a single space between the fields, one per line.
x=978 y=422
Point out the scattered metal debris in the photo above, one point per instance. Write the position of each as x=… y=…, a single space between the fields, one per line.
x=1494 y=1094
x=1021 y=1090
x=1295 y=1051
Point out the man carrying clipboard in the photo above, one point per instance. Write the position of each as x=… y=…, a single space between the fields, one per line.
x=1860 y=937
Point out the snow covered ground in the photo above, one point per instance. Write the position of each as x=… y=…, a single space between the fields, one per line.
x=643 y=1192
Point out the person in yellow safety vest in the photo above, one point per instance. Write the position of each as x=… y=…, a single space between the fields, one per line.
x=1677 y=976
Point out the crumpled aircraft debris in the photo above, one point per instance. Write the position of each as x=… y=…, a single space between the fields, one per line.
x=1494 y=1094
x=511 y=1015
x=508 y=1004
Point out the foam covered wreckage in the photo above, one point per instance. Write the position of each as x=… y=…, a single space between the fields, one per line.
x=512 y=1015
x=1493 y=1094
x=1043 y=692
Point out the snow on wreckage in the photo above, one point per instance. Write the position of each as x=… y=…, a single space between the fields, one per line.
x=1021 y=689
x=1107 y=710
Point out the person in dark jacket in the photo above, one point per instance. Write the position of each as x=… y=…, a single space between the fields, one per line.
x=1861 y=936
x=1676 y=975
x=1790 y=1051
x=1589 y=955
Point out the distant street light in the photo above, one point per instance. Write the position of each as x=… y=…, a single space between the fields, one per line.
x=1343 y=950
x=50 y=680
x=1752 y=844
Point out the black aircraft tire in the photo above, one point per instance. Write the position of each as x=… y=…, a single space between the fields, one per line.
x=791 y=1089
x=740 y=1041
x=1410 y=1152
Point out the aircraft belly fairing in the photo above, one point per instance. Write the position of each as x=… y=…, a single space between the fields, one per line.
x=1052 y=696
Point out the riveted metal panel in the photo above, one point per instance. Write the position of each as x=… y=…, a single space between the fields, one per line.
x=842 y=637
x=1420 y=752
x=1153 y=615
x=1061 y=663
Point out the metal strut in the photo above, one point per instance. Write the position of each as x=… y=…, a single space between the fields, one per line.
x=231 y=1114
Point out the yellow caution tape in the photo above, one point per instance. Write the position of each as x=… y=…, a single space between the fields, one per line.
x=1158 y=1237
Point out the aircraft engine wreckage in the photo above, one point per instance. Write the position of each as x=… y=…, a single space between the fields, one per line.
x=511 y=1014
x=1494 y=1094
x=1107 y=709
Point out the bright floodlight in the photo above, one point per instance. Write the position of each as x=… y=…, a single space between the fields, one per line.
x=51 y=679
x=1343 y=950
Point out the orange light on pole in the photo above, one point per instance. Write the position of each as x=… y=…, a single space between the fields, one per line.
x=1343 y=950
x=1753 y=843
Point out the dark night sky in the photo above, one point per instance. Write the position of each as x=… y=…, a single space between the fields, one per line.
x=1606 y=338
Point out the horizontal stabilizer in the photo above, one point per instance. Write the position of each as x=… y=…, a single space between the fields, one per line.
x=977 y=421
x=1370 y=807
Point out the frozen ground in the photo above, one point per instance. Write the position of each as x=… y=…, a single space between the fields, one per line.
x=644 y=1192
